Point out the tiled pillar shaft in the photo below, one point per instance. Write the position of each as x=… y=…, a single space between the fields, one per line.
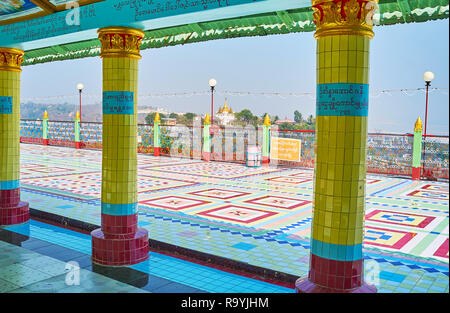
x=417 y=150
x=157 y=135
x=45 y=129
x=119 y=241
x=343 y=37
x=12 y=210
x=206 y=139
x=266 y=140
x=77 y=130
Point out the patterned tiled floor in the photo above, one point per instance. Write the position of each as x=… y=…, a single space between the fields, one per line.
x=23 y=270
x=160 y=273
x=261 y=216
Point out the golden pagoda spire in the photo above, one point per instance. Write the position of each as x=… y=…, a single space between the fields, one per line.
x=418 y=125
x=225 y=107
x=77 y=115
x=207 y=120
x=45 y=114
x=266 y=120
x=157 y=118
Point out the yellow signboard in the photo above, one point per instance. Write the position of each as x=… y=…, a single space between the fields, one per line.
x=285 y=149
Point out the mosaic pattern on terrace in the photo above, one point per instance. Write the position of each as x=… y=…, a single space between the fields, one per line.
x=262 y=218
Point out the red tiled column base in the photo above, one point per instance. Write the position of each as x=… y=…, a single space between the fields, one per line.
x=157 y=151
x=45 y=142
x=116 y=226
x=119 y=252
x=336 y=274
x=265 y=160
x=332 y=275
x=77 y=144
x=206 y=156
x=304 y=285
x=15 y=215
x=9 y=198
x=416 y=173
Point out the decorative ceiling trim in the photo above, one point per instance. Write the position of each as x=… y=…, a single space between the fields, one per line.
x=45 y=5
x=47 y=9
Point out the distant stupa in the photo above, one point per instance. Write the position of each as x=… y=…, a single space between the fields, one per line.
x=225 y=115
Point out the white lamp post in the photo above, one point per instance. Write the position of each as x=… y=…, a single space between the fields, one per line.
x=212 y=84
x=427 y=77
x=80 y=87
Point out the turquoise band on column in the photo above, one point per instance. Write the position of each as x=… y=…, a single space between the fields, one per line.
x=336 y=252
x=11 y=184
x=118 y=102
x=342 y=99
x=6 y=105
x=119 y=209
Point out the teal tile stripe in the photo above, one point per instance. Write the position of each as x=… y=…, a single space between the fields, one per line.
x=336 y=252
x=8 y=185
x=119 y=209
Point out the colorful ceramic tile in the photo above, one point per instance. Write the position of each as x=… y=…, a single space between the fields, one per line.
x=174 y=203
x=217 y=193
x=429 y=195
x=398 y=218
x=442 y=251
x=289 y=180
x=279 y=202
x=387 y=238
x=437 y=188
x=216 y=170
x=236 y=213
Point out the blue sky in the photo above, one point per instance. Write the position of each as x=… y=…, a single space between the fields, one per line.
x=280 y=63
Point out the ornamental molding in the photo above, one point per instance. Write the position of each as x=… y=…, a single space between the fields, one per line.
x=344 y=17
x=120 y=42
x=11 y=59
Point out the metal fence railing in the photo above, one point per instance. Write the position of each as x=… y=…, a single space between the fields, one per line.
x=386 y=153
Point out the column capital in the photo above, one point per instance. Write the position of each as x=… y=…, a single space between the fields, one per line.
x=120 y=42
x=343 y=17
x=11 y=59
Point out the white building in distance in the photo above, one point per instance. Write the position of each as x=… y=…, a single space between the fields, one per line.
x=224 y=116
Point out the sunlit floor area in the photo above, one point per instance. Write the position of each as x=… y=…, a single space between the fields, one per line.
x=260 y=217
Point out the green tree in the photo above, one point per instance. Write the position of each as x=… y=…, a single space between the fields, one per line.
x=245 y=117
x=189 y=116
x=150 y=118
x=286 y=126
x=298 y=118
x=173 y=115
x=310 y=120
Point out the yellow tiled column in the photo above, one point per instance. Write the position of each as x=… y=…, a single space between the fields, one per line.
x=343 y=33
x=12 y=210
x=119 y=241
